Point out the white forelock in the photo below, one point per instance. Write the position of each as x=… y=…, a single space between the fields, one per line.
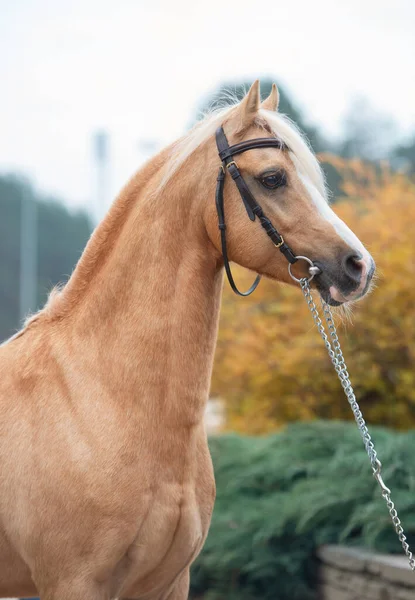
x=303 y=157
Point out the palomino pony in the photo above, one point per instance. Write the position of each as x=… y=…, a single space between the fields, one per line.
x=107 y=486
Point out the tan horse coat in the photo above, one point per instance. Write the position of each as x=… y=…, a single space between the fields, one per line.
x=106 y=480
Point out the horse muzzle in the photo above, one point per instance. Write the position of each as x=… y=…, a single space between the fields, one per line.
x=345 y=280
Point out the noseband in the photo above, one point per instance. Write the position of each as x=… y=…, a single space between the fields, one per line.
x=226 y=154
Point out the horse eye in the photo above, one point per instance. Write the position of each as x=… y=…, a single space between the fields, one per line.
x=274 y=180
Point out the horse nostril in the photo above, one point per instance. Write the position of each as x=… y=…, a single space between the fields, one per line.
x=353 y=265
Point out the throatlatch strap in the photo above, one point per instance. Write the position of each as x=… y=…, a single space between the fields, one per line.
x=222 y=227
x=252 y=207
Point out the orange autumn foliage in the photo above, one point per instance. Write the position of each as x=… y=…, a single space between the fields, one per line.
x=271 y=366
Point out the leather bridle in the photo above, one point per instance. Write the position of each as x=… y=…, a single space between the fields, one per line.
x=226 y=154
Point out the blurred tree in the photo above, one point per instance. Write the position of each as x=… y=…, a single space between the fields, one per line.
x=271 y=366
x=61 y=238
x=404 y=155
x=367 y=134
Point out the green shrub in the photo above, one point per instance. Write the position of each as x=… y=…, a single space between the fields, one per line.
x=279 y=497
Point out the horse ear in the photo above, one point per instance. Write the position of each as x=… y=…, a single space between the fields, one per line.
x=250 y=104
x=271 y=103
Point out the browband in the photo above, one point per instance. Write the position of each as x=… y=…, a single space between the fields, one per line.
x=249 y=145
x=253 y=209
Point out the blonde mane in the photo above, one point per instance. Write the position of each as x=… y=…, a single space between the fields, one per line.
x=280 y=125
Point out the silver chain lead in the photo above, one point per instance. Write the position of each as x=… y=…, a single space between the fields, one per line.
x=336 y=357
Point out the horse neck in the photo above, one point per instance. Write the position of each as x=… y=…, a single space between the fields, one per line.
x=146 y=294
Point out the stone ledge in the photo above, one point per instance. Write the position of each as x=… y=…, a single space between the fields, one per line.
x=353 y=573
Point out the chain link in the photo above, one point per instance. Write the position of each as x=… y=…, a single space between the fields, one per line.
x=336 y=356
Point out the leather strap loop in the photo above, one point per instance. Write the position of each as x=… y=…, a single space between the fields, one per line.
x=222 y=227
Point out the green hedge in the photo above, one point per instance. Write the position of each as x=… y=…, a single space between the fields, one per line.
x=279 y=497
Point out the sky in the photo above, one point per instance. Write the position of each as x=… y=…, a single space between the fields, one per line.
x=139 y=70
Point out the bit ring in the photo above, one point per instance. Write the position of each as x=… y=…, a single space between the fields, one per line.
x=313 y=270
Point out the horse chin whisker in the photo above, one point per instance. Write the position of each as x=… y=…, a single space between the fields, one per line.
x=345 y=312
